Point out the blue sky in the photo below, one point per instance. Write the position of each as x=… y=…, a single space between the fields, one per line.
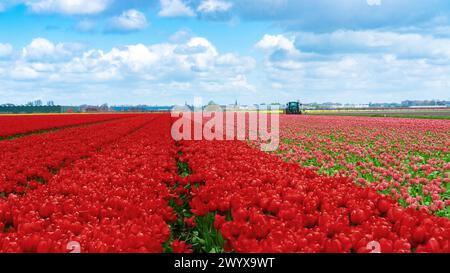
x=169 y=51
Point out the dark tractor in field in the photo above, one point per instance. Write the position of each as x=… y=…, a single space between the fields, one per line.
x=293 y=108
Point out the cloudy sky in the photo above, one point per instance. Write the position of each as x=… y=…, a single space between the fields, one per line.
x=169 y=51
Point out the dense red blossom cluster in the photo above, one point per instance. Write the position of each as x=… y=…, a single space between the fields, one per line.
x=26 y=162
x=114 y=201
x=281 y=207
x=16 y=125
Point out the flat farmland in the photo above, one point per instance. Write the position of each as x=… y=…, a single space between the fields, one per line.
x=335 y=184
x=17 y=125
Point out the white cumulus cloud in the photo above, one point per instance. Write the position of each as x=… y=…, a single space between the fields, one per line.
x=22 y=71
x=41 y=49
x=404 y=45
x=130 y=20
x=211 y=6
x=175 y=8
x=5 y=50
x=72 y=7
x=195 y=64
x=270 y=42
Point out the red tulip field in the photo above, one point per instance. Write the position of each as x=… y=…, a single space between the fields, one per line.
x=121 y=183
x=11 y=126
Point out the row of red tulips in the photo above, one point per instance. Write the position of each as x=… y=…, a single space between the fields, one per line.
x=23 y=124
x=27 y=162
x=115 y=201
x=281 y=207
